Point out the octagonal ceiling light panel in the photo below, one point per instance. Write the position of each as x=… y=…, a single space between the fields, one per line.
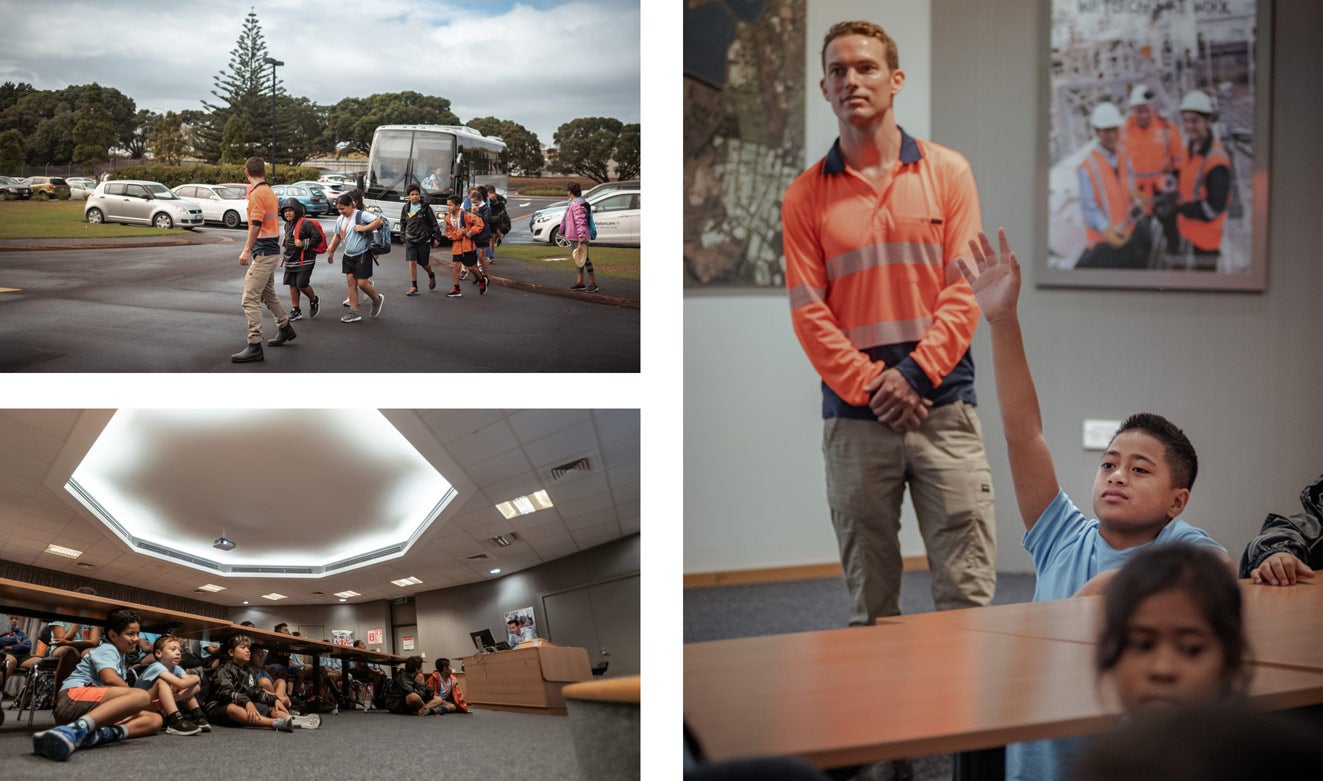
x=303 y=493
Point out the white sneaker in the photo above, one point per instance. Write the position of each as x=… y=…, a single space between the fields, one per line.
x=311 y=721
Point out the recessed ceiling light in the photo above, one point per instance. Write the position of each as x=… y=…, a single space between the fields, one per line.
x=245 y=601
x=342 y=599
x=524 y=505
x=273 y=596
x=496 y=571
x=347 y=594
x=402 y=582
x=212 y=588
x=62 y=551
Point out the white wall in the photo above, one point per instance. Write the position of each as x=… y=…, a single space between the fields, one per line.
x=755 y=492
x=1239 y=372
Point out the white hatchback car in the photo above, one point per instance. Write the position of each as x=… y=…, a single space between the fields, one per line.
x=615 y=212
x=219 y=203
x=80 y=187
x=141 y=203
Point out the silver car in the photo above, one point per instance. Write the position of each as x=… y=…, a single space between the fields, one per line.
x=80 y=187
x=140 y=203
x=219 y=203
x=615 y=212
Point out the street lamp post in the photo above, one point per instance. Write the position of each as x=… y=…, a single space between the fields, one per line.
x=273 y=62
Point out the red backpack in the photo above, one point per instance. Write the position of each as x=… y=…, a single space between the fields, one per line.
x=320 y=248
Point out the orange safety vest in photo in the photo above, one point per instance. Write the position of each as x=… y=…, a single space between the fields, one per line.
x=1206 y=236
x=1152 y=151
x=1111 y=189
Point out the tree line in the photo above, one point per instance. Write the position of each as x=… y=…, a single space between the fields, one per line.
x=84 y=124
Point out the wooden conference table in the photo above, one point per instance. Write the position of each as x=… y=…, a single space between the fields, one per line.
x=55 y=604
x=957 y=681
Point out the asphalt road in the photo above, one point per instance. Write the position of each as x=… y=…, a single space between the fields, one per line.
x=177 y=309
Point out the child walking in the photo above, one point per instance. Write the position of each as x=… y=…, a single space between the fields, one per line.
x=301 y=236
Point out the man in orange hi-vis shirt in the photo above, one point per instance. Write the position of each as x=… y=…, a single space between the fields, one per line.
x=263 y=250
x=871 y=233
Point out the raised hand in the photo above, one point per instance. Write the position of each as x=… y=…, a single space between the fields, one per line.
x=996 y=283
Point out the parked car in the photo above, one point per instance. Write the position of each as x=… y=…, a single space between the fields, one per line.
x=322 y=189
x=242 y=187
x=14 y=188
x=219 y=203
x=615 y=212
x=633 y=184
x=141 y=203
x=313 y=204
x=80 y=187
x=49 y=187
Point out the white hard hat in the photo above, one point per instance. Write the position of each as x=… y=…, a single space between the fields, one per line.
x=1106 y=115
x=1140 y=94
x=1196 y=100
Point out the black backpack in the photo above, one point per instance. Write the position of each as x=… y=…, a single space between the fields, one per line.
x=499 y=213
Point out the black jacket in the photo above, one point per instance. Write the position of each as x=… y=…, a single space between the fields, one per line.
x=298 y=256
x=1301 y=534
x=404 y=685
x=238 y=685
x=423 y=226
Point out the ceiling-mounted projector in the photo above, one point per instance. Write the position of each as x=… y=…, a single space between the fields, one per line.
x=223 y=543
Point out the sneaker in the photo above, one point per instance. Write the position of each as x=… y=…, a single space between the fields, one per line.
x=313 y=306
x=200 y=719
x=476 y=278
x=578 y=286
x=482 y=287
x=431 y=281
x=455 y=292
x=591 y=289
x=463 y=274
x=376 y=305
x=295 y=314
x=352 y=316
x=345 y=302
x=413 y=291
x=176 y=724
x=55 y=743
x=311 y=721
x=283 y=724
x=98 y=736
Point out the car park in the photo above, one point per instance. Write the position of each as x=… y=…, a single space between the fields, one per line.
x=615 y=212
x=80 y=187
x=633 y=184
x=49 y=187
x=314 y=204
x=139 y=202
x=11 y=188
x=324 y=190
x=226 y=205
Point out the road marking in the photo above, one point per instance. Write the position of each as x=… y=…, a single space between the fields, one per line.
x=10 y=289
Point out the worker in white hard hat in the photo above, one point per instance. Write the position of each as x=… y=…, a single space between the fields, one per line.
x=1205 y=180
x=1107 y=198
x=1153 y=145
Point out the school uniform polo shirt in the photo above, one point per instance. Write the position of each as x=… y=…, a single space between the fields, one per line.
x=872 y=276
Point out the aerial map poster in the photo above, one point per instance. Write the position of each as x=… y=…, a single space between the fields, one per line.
x=1157 y=146
x=743 y=137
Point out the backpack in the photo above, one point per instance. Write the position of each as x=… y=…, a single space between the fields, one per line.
x=499 y=214
x=379 y=239
x=320 y=248
x=592 y=226
x=484 y=236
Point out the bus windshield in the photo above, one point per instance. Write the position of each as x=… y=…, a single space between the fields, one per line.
x=402 y=157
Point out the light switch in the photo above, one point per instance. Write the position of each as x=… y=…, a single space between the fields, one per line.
x=1098 y=433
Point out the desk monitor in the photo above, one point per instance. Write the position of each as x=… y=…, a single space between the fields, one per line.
x=482 y=639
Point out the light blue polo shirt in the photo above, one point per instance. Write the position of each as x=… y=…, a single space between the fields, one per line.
x=148 y=678
x=87 y=673
x=1068 y=551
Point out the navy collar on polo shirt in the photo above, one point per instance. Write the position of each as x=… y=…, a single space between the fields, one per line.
x=909 y=153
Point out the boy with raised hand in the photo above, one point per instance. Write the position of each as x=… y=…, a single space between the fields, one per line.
x=95 y=705
x=1142 y=484
x=169 y=684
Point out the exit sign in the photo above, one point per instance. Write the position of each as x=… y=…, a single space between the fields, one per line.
x=401 y=601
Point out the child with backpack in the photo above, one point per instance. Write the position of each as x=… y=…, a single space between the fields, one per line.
x=304 y=241
x=461 y=227
x=576 y=226
x=500 y=222
x=420 y=231
x=352 y=229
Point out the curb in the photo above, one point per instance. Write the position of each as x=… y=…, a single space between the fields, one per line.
x=591 y=298
x=111 y=244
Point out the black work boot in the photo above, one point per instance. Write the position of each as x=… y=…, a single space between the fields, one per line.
x=286 y=335
x=252 y=352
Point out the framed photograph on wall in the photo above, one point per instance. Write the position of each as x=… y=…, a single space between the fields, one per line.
x=1158 y=144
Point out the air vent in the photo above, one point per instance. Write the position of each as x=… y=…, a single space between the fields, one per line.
x=273 y=571
x=174 y=554
x=380 y=553
x=581 y=465
x=478 y=557
x=84 y=565
x=505 y=540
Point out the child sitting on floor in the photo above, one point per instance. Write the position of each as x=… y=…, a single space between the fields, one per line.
x=169 y=684
x=238 y=701
x=409 y=693
x=95 y=705
x=446 y=686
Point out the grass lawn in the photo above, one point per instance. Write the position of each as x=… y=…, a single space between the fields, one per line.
x=615 y=262
x=61 y=220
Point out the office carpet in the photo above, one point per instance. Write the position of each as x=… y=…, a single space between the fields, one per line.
x=376 y=744
x=754 y=610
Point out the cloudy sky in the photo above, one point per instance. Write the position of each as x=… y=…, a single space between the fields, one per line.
x=540 y=63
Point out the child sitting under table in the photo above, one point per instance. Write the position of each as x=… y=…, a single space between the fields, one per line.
x=238 y=701
x=169 y=684
x=1142 y=483
x=95 y=705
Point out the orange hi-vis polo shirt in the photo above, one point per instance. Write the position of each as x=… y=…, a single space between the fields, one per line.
x=264 y=211
x=872 y=277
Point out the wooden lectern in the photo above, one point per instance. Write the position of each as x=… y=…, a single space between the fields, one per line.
x=527 y=679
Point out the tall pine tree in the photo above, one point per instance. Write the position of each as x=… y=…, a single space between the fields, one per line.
x=239 y=122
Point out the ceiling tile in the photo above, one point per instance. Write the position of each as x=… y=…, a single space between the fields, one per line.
x=56 y=423
x=589 y=519
x=587 y=504
x=621 y=452
x=562 y=446
x=534 y=424
x=488 y=442
x=452 y=424
x=502 y=467
x=577 y=489
x=614 y=424
x=32 y=442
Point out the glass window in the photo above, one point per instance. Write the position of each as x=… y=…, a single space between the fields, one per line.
x=136 y=191
x=114 y=188
x=614 y=203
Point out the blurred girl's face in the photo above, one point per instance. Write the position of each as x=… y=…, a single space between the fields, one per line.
x=1171 y=654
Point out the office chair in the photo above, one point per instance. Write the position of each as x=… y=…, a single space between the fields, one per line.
x=599 y=669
